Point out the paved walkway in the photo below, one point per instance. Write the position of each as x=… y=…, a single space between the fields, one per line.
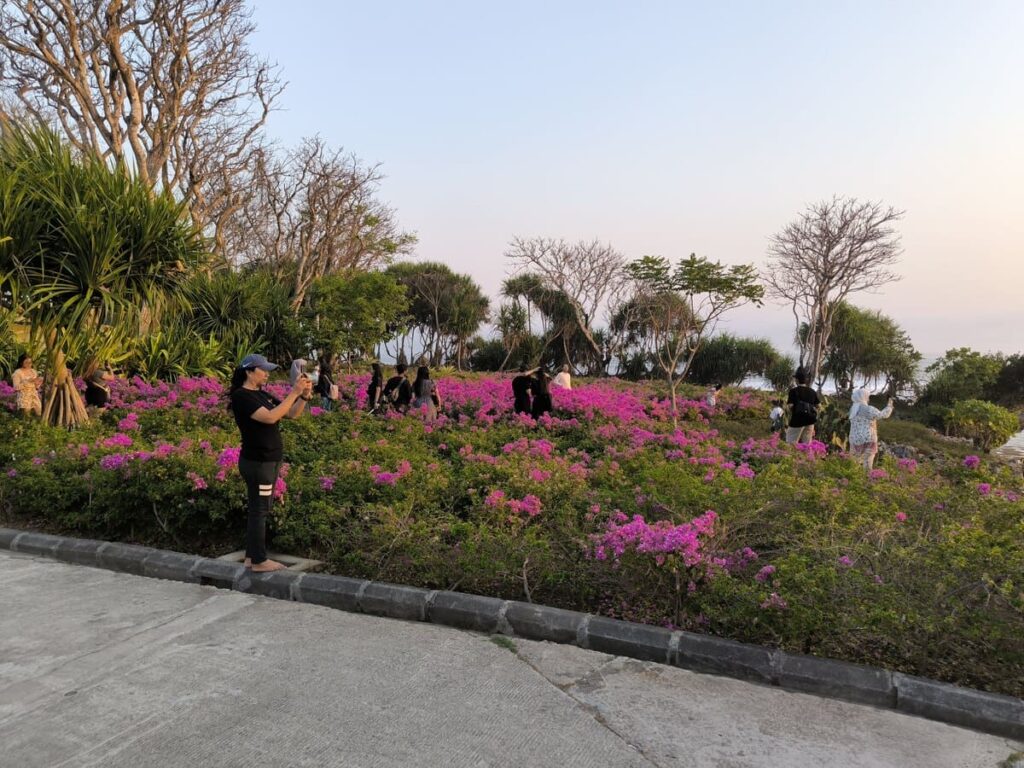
x=105 y=669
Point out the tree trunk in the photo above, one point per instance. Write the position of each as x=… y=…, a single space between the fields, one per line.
x=63 y=406
x=673 y=382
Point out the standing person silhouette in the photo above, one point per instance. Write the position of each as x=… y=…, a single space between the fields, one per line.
x=804 y=412
x=257 y=414
x=398 y=390
x=864 y=427
x=424 y=390
x=540 y=387
x=374 y=390
x=562 y=380
x=521 y=390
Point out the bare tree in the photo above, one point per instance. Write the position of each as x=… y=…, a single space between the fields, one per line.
x=586 y=273
x=168 y=86
x=834 y=248
x=312 y=212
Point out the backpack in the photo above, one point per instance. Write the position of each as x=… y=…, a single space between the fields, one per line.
x=805 y=409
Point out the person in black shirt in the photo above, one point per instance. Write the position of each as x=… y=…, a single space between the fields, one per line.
x=521 y=390
x=803 y=402
x=325 y=384
x=97 y=389
x=398 y=390
x=257 y=413
x=373 y=392
x=540 y=388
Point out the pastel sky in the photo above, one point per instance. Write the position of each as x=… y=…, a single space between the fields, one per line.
x=674 y=127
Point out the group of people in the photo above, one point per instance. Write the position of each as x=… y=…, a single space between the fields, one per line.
x=531 y=389
x=27 y=384
x=804 y=401
x=257 y=414
x=397 y=393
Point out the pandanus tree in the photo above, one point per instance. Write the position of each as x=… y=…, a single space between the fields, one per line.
x=85 y=247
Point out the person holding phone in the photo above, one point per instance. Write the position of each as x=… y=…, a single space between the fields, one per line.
x=864 y=427
x=257 y=414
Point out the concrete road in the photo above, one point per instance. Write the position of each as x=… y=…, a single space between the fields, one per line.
x=105 y=669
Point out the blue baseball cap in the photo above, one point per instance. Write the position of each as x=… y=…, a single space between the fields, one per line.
x=257 y=361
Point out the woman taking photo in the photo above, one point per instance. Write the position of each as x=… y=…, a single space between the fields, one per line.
x=257 y=413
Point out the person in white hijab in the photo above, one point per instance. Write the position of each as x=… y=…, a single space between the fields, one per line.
x=298 y=369
x=864 y=427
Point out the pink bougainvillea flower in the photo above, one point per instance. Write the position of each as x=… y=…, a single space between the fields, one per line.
x=774 y=602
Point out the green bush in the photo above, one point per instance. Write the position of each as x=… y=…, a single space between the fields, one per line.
x=915 y=567
x=987 y=424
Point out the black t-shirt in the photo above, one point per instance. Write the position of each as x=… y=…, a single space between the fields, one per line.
x=521 y=387
x=404 y=395
x=96 y=395
x=323 y=384
x=802 y=417
x=260 y=442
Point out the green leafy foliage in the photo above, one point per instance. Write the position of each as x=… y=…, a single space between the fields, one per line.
x=987 y=424
x=353 y=312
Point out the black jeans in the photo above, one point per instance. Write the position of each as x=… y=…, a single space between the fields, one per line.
x=259 y=477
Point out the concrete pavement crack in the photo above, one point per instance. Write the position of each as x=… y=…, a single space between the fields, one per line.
x=589 y=708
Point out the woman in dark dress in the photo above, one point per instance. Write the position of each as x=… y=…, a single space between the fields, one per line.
x=257 y=413
x=425 y=394
x=325 y=384
x=374 y=390
x=541 y=390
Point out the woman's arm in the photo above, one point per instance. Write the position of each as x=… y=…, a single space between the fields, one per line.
x=291 y=407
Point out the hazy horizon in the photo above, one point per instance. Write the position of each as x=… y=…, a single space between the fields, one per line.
x=670 y=129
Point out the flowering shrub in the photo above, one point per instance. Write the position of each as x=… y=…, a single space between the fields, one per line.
x=604 y=506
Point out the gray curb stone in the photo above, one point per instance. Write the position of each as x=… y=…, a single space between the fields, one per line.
x=394 y=601
x=330 y=591
x=124 y=557
x=1003 y=715
x=836 y=679
x=539 y=622
x=217 y=573
x=274 y=584
x=36 y=543
x=988 y=712
x=80 y=551
x=173 y=566
x=475 y=612
x=718 y=656
x=624 y=638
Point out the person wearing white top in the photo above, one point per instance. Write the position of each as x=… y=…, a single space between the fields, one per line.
x=864 y=427
x=562 y=378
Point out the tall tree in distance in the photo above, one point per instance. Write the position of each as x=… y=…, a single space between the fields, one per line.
x=833 y=249
x=680 y=306
x=586 y=274
x=172 y=89
x=313 y=212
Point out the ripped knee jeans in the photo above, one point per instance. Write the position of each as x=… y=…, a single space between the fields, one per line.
x=259 y=477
